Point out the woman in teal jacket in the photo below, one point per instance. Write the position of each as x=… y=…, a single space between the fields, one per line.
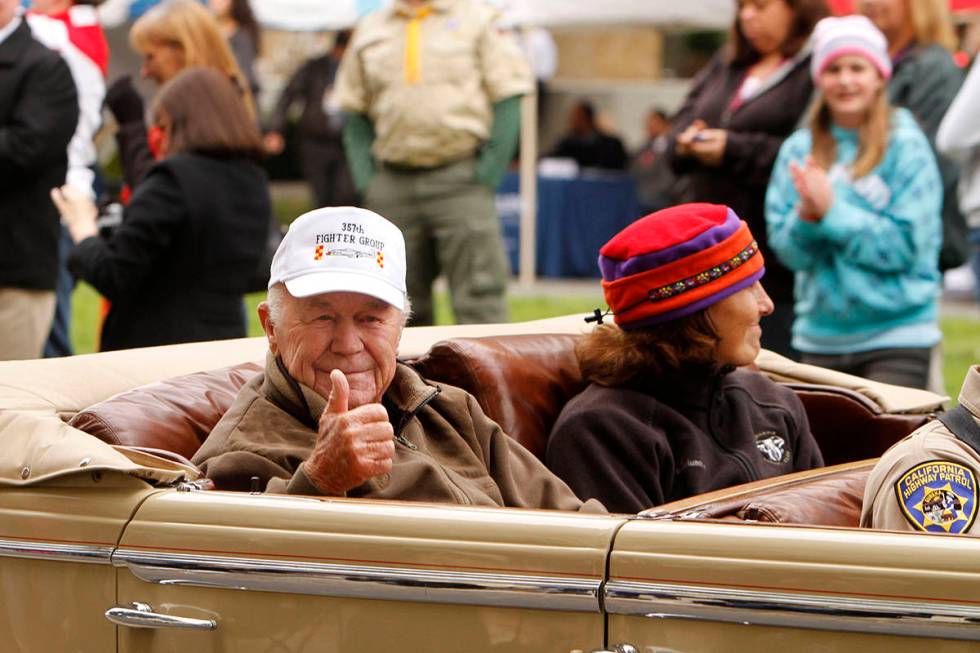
x=853 y=207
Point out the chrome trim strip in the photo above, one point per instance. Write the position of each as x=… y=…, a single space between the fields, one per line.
x=91 y=553
x=774 y=608
x=355 y=581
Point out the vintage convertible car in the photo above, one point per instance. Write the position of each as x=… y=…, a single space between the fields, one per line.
x=109 y=543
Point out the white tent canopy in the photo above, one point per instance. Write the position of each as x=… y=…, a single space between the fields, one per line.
x=306 y=15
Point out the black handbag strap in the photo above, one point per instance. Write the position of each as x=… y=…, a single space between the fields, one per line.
x=961 y=423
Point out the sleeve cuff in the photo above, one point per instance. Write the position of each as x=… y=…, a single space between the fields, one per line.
x=300 y=483
x=836 y=225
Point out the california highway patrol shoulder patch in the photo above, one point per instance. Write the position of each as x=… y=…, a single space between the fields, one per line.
x=938 y=496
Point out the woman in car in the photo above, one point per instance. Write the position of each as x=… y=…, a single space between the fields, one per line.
x=667 y=414
x=192 y=235
x=854 y=208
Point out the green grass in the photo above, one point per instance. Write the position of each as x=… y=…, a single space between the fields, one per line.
x=961 y=335
x=86 y=307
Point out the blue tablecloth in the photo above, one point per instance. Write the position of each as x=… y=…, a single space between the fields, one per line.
x=575 y=218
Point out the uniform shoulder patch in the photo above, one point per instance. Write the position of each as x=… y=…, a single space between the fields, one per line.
x=938 y=496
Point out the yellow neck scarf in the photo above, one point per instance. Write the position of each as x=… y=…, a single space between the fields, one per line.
x=413 y=48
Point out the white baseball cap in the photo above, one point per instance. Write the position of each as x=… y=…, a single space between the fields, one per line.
x=342 y=249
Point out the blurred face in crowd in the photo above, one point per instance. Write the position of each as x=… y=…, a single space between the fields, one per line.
x=890 y=16
x=850 y=85
x=765 y=23
x=736 y=321
x=579 y=121
x=220 y=7
x=50 y=6
x=161 y=61
x=348 y=331
x=8 y=9
x=656 y=125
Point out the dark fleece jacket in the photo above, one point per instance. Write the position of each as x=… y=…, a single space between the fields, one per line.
x=636 y=447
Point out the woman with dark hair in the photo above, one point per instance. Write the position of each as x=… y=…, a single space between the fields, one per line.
x=667 y=415
x=741 y=107
x=195 y=229
x=239 y=26
x=171 y=36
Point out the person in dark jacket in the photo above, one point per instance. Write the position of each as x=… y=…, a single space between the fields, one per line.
x=321 y=131
x=171 y=36
x=176 y=268
x=38 y=115
x=588 y=144
x=666 y=414
x=925 y=79
x=741 y=107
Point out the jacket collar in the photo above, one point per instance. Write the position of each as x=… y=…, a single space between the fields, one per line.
x=693 y=385
x=16 y=42
x=404 y=8
x=406 y=395
x=799 y=59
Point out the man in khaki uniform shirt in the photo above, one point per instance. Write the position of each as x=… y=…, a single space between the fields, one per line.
x=432 y=94
x=928 y=481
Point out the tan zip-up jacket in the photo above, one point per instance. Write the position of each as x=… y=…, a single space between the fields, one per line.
x=446 y=449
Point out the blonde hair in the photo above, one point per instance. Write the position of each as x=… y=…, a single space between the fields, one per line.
x=188 y=26
x=931 y=23
x=872 y=136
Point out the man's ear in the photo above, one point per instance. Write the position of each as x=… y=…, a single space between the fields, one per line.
x=265 y=317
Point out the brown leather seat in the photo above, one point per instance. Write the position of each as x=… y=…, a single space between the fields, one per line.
x=849 y=426
x=521 y=382
x=826 y=498
x=174 y=415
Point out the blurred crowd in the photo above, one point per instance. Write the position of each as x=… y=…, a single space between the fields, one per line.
x=859 y=175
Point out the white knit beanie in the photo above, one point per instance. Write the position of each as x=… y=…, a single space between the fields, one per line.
x=836 y=36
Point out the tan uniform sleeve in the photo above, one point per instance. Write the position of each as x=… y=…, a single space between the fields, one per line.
x=505 y=70
x=350 y=87
x=882 y=508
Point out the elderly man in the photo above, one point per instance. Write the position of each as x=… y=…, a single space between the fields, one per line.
x=335 y=413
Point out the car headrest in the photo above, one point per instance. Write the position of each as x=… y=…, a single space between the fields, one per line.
x=174 y=415
x=826 y=499
x=849 y=426
x=522 y=382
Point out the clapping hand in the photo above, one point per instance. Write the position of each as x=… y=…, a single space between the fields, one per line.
x=352 y=445
x=814 y=187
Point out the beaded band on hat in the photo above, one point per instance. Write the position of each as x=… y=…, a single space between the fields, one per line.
x=679 y=287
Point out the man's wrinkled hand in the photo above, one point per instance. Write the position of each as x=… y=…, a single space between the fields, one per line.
x=352 y=446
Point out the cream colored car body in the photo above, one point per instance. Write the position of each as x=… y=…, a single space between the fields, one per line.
x=88 y=530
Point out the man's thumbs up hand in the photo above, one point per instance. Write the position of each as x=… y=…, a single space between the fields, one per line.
x=352 y=446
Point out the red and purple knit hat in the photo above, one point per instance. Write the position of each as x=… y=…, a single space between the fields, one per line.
x=676 y=262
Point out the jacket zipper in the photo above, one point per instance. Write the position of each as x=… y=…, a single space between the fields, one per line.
x=463 y=497
x=737 y=455
x=409 y=415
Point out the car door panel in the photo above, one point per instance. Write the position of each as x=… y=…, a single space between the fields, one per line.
x=338 y=575
x=729 y=586
x=56 y=579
